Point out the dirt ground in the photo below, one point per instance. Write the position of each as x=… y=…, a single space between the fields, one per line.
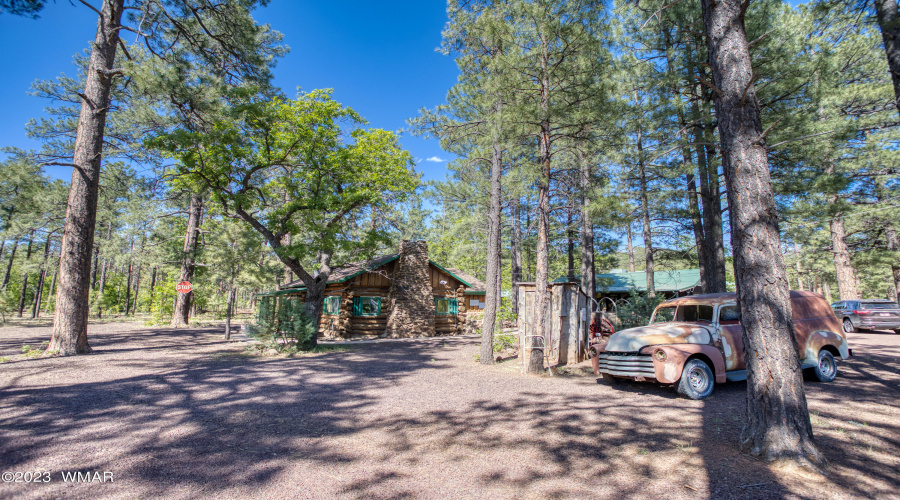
x=182 y=414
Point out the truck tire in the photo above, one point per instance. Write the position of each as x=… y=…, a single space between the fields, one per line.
x=826 y=369
x=696 y=380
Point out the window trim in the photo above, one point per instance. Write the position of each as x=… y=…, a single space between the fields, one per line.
x=335 y=309
x=452 y=306
x=357 y=307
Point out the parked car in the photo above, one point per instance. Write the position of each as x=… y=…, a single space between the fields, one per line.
x=695 y=342
x=876 y=314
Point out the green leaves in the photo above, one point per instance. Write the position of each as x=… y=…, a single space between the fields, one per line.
x=296 y=167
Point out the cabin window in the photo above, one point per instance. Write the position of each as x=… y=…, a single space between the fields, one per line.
x=366 y=306
x=332 y=305
x=445 y=306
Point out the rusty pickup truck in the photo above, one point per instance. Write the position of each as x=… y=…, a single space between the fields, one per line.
x=695 y=342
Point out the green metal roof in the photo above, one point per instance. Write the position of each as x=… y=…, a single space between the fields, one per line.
x=664 y=281
x=276 y=293
x=457 y=278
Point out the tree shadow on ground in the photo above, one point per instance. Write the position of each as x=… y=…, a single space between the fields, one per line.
x=392 y=420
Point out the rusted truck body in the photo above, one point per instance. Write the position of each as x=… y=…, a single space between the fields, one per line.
x=695 y=342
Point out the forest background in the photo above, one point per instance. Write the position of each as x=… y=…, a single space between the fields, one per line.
x=635 y=181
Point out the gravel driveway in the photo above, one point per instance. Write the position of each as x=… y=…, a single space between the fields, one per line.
x=182 y=414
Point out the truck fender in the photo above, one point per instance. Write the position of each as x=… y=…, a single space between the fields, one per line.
x=819 y=339
x=668 y=371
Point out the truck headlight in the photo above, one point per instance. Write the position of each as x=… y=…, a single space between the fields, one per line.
x=659 y=354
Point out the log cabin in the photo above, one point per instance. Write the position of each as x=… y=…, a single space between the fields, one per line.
x=404 y=294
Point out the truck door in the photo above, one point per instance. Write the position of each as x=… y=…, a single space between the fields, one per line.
x=732 y=341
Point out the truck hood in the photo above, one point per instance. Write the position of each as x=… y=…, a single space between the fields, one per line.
x=632 y=339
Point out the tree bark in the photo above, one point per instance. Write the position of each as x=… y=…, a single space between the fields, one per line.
x=492 y=298
x=39 y=291
x=714 y=279
x=587 y=229
x=137 y=290
x=181 y=316
x=152 y=285
x=778 y=425
x=631 y=264
x=128 y=277
x=21 y=307
x=712 y=221
x=697 y=225
x=889 y=21
x=72 y=304
x=570 y=239
x=228 y=311
x=515 y=249
x=52 y=290
x=12 y=257
x=645 y=217
x=846 y=275
x=541 y=334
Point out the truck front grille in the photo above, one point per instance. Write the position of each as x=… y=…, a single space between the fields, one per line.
x=626 y=364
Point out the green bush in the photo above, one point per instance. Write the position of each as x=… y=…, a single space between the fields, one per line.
x=637 y=310
x=289 y=329
x=502 y=341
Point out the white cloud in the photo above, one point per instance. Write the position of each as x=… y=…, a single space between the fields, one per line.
x=435 y=159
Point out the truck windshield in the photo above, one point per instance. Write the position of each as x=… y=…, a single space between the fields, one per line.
x=663 y=314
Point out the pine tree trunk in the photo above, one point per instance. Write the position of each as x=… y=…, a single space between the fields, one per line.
x=181 y=316
x=52 y=291
x=712 y=218
x=540 y=336
x=570 y=239
x=714 y=279
x=889 y=21
x=697 y=224
x=72 y=298
x=846 y=275
x=492 y=298
x=137 y=290
x=12 y=257
x=890 y=234
x=152 y=286
x=645 y=217
x=228 y=311
x=95 y=266
x=587 y=229
x=129 y=275
x=39 y=291
x=778 y=425
x=21 y=308
x=515 y=249
x=631 y=264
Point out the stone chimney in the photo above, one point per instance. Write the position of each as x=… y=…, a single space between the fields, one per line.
x=410 y=297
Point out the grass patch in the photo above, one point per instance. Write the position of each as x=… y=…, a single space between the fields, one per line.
x=292 y=351
x=33 y=352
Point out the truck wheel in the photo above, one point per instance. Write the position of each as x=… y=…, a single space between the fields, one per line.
x=848 y=326
x=826 y=370
x=696 y=380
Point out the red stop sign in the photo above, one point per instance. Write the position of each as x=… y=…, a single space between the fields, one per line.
x=184 y=287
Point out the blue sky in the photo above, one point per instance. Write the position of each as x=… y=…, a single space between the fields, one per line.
x=379 y=57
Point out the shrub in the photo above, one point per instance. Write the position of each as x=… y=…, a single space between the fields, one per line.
x=504 y=340
x=636 y=311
